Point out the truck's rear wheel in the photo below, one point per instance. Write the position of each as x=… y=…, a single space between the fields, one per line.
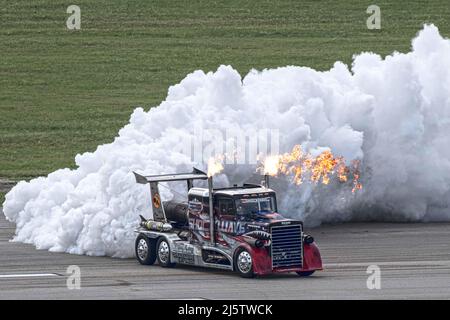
x=163 y=254
x=305 y=273
x=244 y=263
x=145 y=250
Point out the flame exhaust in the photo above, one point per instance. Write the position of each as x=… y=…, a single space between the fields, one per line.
x=215 y=165
x=320 y=169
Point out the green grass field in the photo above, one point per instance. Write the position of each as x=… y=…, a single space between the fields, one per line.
x=65 y=92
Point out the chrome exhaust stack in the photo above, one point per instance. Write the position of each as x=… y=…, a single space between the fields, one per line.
x=266 y=181
x=211 y=211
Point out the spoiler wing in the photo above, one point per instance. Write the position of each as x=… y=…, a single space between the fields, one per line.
x=196 y=174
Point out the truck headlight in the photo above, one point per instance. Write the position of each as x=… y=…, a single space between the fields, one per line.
x=308 y=239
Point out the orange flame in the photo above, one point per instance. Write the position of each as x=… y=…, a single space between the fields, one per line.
x=215 y=165
x=321 y=168
x=271 y=164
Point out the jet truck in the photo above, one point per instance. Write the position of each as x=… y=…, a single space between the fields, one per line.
x=237 y=228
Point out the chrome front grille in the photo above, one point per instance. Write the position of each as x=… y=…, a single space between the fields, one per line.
x=287 y=248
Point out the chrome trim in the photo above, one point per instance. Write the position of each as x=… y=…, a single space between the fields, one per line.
x=226 y=254
x=211 y=212
x=164 y=252
x=142 y=249
x=290 y=244
x=244 y=262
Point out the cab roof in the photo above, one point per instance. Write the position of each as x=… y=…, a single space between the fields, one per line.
x=232 y=191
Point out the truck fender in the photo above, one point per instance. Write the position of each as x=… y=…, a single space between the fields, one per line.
x=312 y=259
x=262 y=263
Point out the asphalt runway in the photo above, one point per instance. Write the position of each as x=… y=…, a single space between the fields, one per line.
x=414 y=260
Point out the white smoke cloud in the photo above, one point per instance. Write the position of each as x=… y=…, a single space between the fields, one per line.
x=392 y=113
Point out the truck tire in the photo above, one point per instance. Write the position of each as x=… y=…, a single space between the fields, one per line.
x=145 y=250
x=244 y=263
x=163 y=253
x=305 y=273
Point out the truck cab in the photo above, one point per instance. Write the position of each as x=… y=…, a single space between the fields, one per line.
x=235 y=209
x=248 y=234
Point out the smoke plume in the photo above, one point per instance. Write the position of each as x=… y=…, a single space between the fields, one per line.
x=392 y=114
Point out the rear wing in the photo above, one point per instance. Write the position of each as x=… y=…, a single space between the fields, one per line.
x=153 y=180
x=196 y=174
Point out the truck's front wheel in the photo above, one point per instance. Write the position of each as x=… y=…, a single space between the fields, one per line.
x=244 y=263
x=164 y=253
x=145 y=250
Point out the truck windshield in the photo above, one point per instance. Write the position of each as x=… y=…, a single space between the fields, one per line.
x=255 y=206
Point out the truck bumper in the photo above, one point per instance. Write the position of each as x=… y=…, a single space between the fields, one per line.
x=262 y=262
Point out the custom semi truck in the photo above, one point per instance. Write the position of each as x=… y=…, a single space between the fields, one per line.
x=236 y=228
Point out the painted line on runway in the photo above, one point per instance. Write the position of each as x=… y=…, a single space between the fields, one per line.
x=28 y=275
x=198 y=298
x=389 y=263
